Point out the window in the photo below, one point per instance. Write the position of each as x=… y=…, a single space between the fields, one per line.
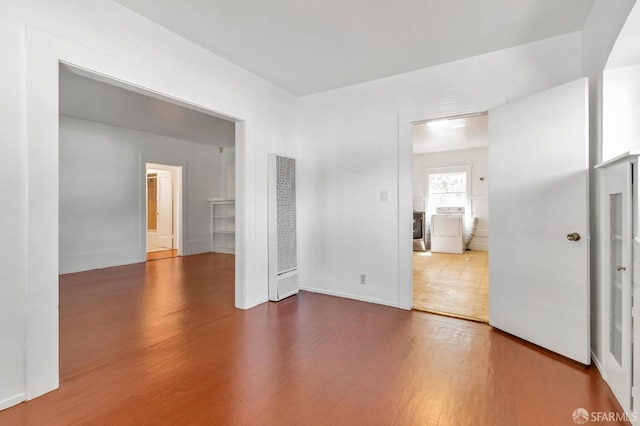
x=448 y=187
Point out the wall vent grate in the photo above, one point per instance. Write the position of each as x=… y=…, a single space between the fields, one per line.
x=283 y=242
x=286 y=213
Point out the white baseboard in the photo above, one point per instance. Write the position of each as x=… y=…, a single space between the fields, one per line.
x=350 y=296
x=597 y=363
x=14 y=400
x=479 y=246
x=257 y=302
x=118 y=257
x=196 y=247
x=480 y=242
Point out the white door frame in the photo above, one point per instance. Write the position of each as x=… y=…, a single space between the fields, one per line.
x=405 y=181
x=44 y=53
x=178 y=169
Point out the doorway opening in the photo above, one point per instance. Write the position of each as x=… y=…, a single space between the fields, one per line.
x=120 y=144
x=48 y=55
x=450 y=203
x=164 y=211
x=531 y=215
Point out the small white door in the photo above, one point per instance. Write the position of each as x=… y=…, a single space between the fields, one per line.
x=165 y=209
x=617 y=360
x=538 y=183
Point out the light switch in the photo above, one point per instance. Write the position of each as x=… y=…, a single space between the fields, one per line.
x=383 y=196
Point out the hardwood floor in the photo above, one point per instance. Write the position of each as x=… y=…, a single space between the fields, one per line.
x=161 y=254
x=160 y=343
x=452 y=284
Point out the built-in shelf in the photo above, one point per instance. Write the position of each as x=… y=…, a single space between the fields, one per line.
x=222 y=200
x=223 y=212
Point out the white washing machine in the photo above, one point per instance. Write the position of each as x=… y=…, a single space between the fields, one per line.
x=447 y=230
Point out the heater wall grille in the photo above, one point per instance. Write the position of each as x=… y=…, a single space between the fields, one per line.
x=286 y=213
x=287 y=286
x=283 y=244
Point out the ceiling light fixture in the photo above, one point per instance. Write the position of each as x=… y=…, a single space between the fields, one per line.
x=438 y=123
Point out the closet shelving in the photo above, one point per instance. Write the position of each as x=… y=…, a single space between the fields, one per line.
x=223 y=225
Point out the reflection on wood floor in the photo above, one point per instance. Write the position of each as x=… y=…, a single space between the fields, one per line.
x=153 y=248
x=160 y=343
x=162 y=254
x=452 y=284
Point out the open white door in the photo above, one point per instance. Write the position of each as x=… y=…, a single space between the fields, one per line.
x=165 y=209
x=538 y=199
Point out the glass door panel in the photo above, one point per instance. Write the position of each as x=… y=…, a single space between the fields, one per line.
x=615 y=308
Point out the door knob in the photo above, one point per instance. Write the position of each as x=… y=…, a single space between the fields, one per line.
x=574 y=236
x=621 y=268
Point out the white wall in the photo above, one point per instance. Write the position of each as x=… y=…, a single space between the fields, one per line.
x=227 y=165
x=349 y=152
x=109 y=39
x=13 y=187
x=620 y=109
x=100 y=192
x=478 y=159
x=598 y=37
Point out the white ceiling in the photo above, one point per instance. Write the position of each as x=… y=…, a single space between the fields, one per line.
x=308 y=46
x=451 y=134
x=89 y=99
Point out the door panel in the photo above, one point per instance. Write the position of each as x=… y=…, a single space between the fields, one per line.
x=152 y=202
x=538 y=194
x=165 y=209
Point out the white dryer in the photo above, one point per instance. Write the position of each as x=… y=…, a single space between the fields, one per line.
x=447 y=230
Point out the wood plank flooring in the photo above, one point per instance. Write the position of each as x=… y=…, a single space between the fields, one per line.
x=161 y=254
x=160 y=343
x=452 y=284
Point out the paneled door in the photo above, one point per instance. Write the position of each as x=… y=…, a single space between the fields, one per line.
x=539 y=220
x=165 y=209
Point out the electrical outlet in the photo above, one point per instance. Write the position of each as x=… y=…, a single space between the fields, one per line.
x=363 y=278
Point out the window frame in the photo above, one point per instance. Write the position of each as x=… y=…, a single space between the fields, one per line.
x=465 y=168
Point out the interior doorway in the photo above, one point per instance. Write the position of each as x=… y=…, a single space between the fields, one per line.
x=42 y=85
x=163 y=211
x=450 y=202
